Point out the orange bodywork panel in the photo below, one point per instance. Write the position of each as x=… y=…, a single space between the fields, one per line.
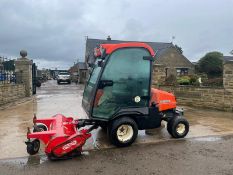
x=112 y=47
x=163 y=100
x=99 y=94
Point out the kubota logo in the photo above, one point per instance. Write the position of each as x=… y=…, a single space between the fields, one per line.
x=67 y=146
x=165 y=101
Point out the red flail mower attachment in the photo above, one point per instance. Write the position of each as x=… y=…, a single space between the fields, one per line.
x=60 y=135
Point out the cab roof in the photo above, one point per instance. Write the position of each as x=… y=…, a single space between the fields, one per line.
x=112 y=47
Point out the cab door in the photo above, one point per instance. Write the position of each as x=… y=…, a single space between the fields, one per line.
x=125 y=83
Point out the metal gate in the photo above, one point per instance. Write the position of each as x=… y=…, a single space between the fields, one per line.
x=34 y=69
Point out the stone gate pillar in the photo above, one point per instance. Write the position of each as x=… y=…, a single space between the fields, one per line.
x=228 y=83
x=228 y=75
x=23 y=71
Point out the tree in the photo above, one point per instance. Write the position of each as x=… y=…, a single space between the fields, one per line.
x=9 y=65
x=179 y=48
x=211 y=64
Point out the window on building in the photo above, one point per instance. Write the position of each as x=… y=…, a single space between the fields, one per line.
x=181 y=71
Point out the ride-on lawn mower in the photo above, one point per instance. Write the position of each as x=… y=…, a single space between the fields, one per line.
x=119 y=98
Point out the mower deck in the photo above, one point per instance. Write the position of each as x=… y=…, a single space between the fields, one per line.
x=59 y=134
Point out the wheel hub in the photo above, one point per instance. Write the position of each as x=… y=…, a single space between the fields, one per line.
x=180 y=129
x=36 y=146
x=124 y=133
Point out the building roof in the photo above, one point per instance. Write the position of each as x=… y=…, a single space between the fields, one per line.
x=158 y=47
x=78 y=66
x=227 y=58
x=81 y=65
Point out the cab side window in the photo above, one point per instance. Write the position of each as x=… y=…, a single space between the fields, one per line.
x=130 y=77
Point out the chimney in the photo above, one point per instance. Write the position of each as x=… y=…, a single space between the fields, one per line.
x=109 y=38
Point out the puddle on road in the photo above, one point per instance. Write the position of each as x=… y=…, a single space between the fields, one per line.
x=66 y=99
x=207 y=139
x=43 y=96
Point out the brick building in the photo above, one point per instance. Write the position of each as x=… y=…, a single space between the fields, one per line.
x=79 y=72
x=172 y=61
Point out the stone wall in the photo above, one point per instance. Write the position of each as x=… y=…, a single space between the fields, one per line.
x=215 y=98
x=11 y=93
x=158 y=74
x=220 y=99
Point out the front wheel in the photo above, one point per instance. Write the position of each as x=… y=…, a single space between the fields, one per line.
x=104 y=127
x=123 y=131
x=178 y=127
x=33 y=147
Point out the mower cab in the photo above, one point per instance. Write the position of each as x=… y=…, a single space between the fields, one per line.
x=119 y=93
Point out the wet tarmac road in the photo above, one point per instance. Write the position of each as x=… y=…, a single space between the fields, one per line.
x=205 y=156
x=66 y=99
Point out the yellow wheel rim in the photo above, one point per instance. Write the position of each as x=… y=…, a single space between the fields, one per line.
x=124 y=133
x=180 y=129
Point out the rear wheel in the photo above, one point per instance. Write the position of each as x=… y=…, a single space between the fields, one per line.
x=123 y=131
x=178 y=127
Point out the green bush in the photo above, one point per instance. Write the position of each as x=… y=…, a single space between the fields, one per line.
x=193 y=79
x=184 y=80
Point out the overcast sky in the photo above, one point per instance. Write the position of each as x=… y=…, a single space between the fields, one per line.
x=53 y=31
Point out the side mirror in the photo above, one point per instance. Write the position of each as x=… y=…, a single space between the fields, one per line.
x=150 y=58
x=100 y=63
x=104 y=83
x=103 y=53
x=91 y=65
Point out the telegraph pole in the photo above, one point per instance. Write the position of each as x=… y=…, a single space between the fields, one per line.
x=231 y=52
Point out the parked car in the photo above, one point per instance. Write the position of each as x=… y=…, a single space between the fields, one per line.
x=63 y=77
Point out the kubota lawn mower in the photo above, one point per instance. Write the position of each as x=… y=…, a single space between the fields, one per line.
x=119 y=98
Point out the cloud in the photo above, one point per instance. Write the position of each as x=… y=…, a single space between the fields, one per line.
x=54 y=31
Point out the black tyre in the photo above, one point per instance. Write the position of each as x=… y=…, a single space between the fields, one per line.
x=178 y=127
x=169 y=125
x=58 y=82
x=40 y=128
x=123 y=131
x=104 y=127
x=33 y=147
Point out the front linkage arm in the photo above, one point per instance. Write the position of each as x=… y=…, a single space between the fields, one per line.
x=87 y=122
